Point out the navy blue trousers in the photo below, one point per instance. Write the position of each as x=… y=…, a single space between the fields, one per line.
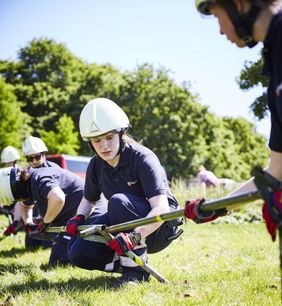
x=121 y=208
x=60 y=250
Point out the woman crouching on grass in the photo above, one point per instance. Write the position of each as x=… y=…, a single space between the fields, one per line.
x=132 y=179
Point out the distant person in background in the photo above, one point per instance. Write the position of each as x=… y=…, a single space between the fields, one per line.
x=246 y=23
x=34 y=150
x=57 y=194
x=207 y=177
x=9 y=158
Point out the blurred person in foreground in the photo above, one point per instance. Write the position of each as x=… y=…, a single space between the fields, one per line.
x=246 y=23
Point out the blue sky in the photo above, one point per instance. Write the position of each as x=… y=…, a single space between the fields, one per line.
x=127 y=33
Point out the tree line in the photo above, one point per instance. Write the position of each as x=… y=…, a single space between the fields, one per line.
x=43 y=91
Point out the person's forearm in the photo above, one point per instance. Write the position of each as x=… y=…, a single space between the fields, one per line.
x=56 y=202
x=274 y=168
x=275 y=165
x=85 y=207
x=17 y=212
x=26 y=213
x=146 y=230
x=53 y=209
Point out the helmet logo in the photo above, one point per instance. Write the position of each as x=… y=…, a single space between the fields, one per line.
x=94 y=128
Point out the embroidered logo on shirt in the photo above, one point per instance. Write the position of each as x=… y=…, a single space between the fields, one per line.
x=132 y=183
x=278 y=89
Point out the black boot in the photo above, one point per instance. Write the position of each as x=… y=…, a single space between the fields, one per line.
x=131 y=272
x=131 y=276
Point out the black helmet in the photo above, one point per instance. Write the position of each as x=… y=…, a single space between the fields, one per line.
x=243 y=22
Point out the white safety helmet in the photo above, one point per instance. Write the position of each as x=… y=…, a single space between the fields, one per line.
x=33 y=145
x=100 y=116
x=7 y=179
x=9 y=155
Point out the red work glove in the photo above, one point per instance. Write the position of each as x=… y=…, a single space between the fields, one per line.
x=272 y=213
x=193 y=211
x=124 y=242
x=38 y=231
x=13 y=228
x=74 y=223
x=29 y=228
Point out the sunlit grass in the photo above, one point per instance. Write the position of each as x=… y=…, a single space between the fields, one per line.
x=210 y=264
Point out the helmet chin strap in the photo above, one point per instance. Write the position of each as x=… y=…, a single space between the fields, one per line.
x=121 y=142
x=244 y=23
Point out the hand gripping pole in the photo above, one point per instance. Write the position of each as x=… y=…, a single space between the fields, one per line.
x=225 y=202
x=90 y=233
x=108 y=237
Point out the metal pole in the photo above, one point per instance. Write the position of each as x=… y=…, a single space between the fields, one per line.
x=206 y=206
x=225 y=202
x=137 y=259
x=135 y=223
x=231 y=201
x=87 y=231
x=106 y=236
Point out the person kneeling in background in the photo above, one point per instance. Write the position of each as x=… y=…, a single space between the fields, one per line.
x=56 y=194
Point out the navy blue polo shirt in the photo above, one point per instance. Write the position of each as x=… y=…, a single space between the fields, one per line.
x=138 y=172
x=46 y=163
x=273 y=69
x=44 y=179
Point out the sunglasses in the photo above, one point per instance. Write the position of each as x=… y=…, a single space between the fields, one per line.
x=31 y=158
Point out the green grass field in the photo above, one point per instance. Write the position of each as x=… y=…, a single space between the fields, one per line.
x=210 y=264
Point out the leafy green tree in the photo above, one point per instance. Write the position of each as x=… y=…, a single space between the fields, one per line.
x=45 y=77
x=13 y=123
x=62 y=140
x=182 y=132
x=51 y=81
x=159 y=112
x=250 y=77
x=250 y=146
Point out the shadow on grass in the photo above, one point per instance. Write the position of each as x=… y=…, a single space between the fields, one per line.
x=13 y=252
x=15 y=268
x=18 y=251
x=73 y=285
x=48 y=267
